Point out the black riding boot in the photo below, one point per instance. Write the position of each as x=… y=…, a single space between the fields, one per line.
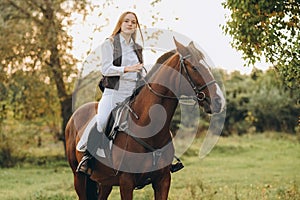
x=83 y=166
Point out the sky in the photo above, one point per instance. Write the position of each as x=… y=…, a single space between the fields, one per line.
x=199 y=21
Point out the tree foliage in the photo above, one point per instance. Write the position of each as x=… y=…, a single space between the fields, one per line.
x=37 y=69
x=259 y=102
x=36 y=64
x=269 y=28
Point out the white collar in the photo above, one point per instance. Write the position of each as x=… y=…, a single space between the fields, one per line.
x=122 y=40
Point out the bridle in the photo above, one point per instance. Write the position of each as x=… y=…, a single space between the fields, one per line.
x=200 y=95
x=197 y=89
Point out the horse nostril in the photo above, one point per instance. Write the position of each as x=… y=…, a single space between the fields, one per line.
x=217 y=104
x=217 y=100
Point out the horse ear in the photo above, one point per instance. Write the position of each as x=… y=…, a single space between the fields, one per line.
x=180 y=48
x=192 y=45
x=196 y=51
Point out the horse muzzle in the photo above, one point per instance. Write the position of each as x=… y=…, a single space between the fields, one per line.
x=212 y=106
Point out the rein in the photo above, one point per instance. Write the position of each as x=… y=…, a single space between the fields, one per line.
x=200 y=95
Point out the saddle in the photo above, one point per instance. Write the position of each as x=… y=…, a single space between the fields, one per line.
x=99 y=144
x=117 y=118
x=118 y=121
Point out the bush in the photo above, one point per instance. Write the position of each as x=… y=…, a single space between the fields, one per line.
x=8 y=152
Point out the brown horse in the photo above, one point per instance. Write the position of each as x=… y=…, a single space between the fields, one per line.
x=144 y=153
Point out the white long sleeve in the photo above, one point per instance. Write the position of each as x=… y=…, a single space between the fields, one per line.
x=129 y=58
x=108 y=69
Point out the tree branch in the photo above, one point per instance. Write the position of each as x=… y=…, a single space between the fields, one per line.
x=25 y=12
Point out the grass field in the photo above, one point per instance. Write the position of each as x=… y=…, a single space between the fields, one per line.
x=259 y=166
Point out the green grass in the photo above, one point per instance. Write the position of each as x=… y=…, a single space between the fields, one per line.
x=262 y=166
x=249 y=167
x=37 y=183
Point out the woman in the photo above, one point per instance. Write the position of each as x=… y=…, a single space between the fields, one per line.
x=121 y=63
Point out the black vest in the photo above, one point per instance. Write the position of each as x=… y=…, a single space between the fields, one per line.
x=112 y=82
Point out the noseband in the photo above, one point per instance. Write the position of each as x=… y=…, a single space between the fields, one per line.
x=200 y=95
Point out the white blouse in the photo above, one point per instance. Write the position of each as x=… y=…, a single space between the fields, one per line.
x=129 y=58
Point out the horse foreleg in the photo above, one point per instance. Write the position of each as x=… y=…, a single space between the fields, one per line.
x=86 y=189
x=161 y=187
x=91 y=189
x=126 y=186
x=80 y=186
x=104 y=192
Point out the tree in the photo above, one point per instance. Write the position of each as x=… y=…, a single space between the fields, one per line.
x=259 y=102
x=271 y=105
x=269 y=28
x=37 y=69
x=34 y=41
x=238 y=94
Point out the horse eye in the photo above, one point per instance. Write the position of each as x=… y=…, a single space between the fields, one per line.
x=194 y=68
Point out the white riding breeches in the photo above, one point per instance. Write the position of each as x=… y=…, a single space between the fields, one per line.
x=109 y=101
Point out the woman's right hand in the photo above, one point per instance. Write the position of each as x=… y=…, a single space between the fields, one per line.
x=134 y=68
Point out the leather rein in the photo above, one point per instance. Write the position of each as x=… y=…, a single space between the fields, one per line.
x=200 y=95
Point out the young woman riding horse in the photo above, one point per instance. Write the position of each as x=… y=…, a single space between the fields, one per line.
x=121 y=61
x=181 y=73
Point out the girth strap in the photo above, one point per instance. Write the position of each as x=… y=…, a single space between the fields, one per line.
x=123 y=126
x=155 y=152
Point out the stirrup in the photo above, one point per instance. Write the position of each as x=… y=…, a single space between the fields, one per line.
x=176 y=167
x=83 y=165
x=146 y=182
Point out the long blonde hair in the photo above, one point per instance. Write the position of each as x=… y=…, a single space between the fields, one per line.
x=117 y=28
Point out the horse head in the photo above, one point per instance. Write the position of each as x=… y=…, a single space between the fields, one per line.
x=199 y=76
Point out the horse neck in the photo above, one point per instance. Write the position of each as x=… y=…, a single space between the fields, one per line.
x=156 y=111
x=155 y=115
